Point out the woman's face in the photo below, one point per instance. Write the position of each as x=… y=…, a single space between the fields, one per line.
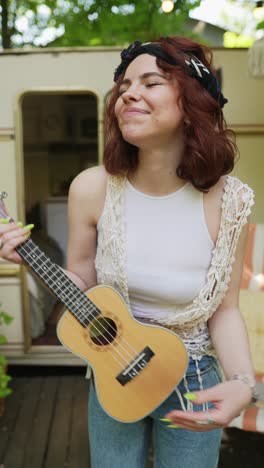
x=147 y=110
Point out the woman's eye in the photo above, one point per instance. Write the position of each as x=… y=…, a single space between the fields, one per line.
x=149 y=85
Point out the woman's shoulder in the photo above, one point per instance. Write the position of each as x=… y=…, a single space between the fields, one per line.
x=89 y=182
x=228 y=184
x=216 y=192
x=239 y=190
x=239 y=200
x=235 y=181
x=229 y=194
x=88 y=189
x=92 y=177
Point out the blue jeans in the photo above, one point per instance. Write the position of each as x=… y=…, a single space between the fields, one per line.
x=115 y=444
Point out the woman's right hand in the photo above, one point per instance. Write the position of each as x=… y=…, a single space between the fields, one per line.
x=12 y=235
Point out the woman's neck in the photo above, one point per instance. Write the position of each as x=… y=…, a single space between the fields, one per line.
x=156 y=171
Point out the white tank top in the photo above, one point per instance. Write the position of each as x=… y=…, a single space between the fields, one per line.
x=168 y=248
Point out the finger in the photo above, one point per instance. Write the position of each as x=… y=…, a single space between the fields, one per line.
x=8 y=248
x=15 y=232
x=14 y=258
x=4 y=221
x=6 y=226
x=15 y=241
x=11 y=236
x=199 y=425
x=186 y=417
x=212 y=394
x=191 y=426
x=203 y=422
x=10 y=229
x=9 y=222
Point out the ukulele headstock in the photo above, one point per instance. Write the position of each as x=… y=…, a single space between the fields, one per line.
x=3 y=212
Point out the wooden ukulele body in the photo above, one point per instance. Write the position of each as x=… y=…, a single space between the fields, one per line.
x=153 y=384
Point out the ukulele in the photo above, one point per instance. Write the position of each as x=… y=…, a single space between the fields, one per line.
x=136 y=366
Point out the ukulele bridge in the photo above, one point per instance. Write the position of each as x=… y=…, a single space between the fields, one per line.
x=136 y=366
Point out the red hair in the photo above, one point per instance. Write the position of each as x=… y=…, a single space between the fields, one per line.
x=210 y=148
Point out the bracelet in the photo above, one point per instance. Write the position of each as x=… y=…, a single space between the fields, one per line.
x=250 y=381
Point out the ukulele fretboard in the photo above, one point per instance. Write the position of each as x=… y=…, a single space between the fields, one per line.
x=58 y=282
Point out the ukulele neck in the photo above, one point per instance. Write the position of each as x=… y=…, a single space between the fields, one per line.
x=58 y=282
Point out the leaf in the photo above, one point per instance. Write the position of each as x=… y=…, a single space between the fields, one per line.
x=3 y=340
x=260 y=25
x=3 y=362
x=100 y=22
x=5 y=392
x=5 y=318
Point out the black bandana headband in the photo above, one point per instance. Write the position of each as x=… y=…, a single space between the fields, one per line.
x=195 y=67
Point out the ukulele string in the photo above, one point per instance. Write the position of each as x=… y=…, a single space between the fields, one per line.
x=94 y=308
x=105 y=329
x=70 y=301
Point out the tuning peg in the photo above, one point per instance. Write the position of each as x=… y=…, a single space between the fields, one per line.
x=3 y=195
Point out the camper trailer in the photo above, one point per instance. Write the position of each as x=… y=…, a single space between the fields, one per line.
x=51 y=128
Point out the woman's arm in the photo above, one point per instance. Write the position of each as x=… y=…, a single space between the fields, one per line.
x=230 y=340
x=85 y=205
x=227 y=327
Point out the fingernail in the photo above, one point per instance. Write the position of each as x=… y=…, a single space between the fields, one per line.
x=165 y=419
x=173 y=426
x=190 y=396
x=28 y=227
x=4 y=220
x=20 y=224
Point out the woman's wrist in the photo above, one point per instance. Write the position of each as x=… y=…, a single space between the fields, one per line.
x=250 y=381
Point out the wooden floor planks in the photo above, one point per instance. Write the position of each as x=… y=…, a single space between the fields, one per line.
x=78 y=447
x=35 y=452
x=8 y=421
x=45 y=426
x=22 y=431
x=58 y=447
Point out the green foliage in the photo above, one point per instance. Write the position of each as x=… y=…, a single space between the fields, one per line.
x=260 y=25
x=5 y=390
x=233 y=40
x=96 y=22
x=243 y=20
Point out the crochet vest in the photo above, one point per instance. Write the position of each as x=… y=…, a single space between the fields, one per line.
x=189 y=321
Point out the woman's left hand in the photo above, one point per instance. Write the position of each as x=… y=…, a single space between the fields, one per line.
x=228 y=398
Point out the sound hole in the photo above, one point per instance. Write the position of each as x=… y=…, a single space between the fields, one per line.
x=103 y=331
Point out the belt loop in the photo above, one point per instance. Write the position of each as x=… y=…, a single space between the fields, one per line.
x=199 y=376
x=189 y=403
x=183 y=407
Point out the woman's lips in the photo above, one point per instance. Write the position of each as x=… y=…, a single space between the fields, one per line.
x=133 y=111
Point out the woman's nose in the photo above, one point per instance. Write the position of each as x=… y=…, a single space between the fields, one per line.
x=130 y=95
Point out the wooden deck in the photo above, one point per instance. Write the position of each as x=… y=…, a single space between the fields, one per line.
x=44 y=425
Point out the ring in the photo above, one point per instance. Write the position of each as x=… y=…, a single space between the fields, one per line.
x=1 y=244
x=210 y=420
x=207 y=421
x=202 y=422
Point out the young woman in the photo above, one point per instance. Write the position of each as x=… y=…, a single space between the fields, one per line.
x=164 y=224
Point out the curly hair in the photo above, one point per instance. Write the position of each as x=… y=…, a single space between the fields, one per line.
x=209 y=147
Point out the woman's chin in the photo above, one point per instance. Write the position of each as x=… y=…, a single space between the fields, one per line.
x=134 y=139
